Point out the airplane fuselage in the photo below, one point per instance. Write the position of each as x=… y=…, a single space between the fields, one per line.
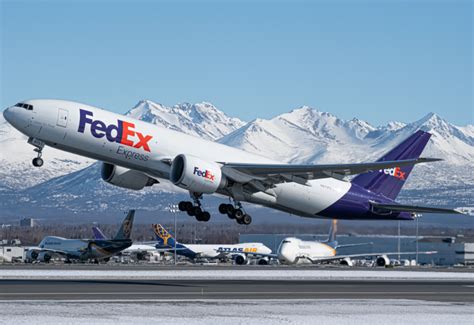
x=83 y=249
x=294 y=251
x=123 y=141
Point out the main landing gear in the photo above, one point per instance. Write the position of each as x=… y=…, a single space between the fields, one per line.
x=235 y=212
x=39 y=145
x=194 y=210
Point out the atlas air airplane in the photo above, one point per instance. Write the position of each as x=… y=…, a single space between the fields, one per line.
x=241 y=253
x=293 y=250
x=136 y=154
x=83 y=249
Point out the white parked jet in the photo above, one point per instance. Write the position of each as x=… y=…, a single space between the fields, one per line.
x=293 y=250
x=136 y=154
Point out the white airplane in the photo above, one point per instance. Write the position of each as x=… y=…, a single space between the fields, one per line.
x=83 y=249
x=240 y=253
x=136 y=154
x=293 y=250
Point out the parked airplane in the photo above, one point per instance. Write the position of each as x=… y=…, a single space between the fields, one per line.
x=84 y=249
x=240 y=253
x=139 y=250
x=137 y=154
x=293 y=250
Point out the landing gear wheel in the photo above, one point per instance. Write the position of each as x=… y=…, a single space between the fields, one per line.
x=182 y=206
x=190 y=212
x=197 y=211
x=205 y=216
x=223 y=208
x=238 y=213
x=230 y=211
x=246 y=219
x=240 y=222
x=37 y=162
x=199 y=217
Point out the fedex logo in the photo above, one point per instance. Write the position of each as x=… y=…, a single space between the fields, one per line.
x=123 y=132
x=207 y=174
x=395 y=172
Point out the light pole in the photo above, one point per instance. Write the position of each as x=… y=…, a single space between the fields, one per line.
x=173 y=208
x=416 y=258
x=398 y=240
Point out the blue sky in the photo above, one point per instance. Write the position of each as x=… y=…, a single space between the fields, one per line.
x=376 y=60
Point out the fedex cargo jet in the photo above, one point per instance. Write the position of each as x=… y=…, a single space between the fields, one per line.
x=136 y=154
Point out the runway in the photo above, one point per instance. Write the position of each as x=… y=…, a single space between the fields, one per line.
x=129 y=290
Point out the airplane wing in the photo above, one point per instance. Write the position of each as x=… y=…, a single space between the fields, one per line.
x=53 y=251
x=254 y=254
x=269 y=174
x=411 y=208
x=354 y=245
x=341 y=257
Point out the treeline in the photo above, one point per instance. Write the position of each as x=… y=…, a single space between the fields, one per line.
x=206 y=233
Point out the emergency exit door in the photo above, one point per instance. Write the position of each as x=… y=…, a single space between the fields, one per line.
x=62 y=117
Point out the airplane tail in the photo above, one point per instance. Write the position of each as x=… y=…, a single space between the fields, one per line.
x=98 y=234
x=332 y=241
x=126 y=228
x=389 y=182
x=164 y=238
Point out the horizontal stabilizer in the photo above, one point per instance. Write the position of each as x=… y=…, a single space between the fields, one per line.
x=412 y=208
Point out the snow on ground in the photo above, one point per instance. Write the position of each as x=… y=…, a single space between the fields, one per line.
x=262 y=274
x=236 y=312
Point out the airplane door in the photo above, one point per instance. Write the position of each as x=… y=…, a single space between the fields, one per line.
x=62 y=117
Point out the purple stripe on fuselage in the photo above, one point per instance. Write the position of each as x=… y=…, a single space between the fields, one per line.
x=355 y=205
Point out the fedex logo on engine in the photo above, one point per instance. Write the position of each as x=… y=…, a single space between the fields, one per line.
x=206 y=174
x=122 y=133
x=395 y=172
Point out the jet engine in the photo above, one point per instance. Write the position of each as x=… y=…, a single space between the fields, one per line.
x=241 y=260
x=382 y=260
x=196 y=175
x=347 y=262
x=126 y=178
x=31 y=255
x=44 y=257
x=263 y=261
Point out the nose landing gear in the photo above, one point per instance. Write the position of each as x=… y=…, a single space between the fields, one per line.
x=235 y=212
x=39 y=145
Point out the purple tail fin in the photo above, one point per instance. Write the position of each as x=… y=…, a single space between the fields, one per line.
x=98 y=234
x=389 y=182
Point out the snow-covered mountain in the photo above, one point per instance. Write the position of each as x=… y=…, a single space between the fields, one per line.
x=16 y=172
x=304 y=135
x=201 y=119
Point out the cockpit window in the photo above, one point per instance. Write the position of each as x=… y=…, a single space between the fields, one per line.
x=25 y=106
x=286 y=242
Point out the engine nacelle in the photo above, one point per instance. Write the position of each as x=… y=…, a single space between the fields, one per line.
x=126 y=178
x=31 y=255
x=382 y=260
x=263 y=261
x=196 y=175
x=241 y=260
x=347 y=262
x=44 y=257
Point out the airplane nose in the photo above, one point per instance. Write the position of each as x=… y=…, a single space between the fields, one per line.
x=7 y=115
